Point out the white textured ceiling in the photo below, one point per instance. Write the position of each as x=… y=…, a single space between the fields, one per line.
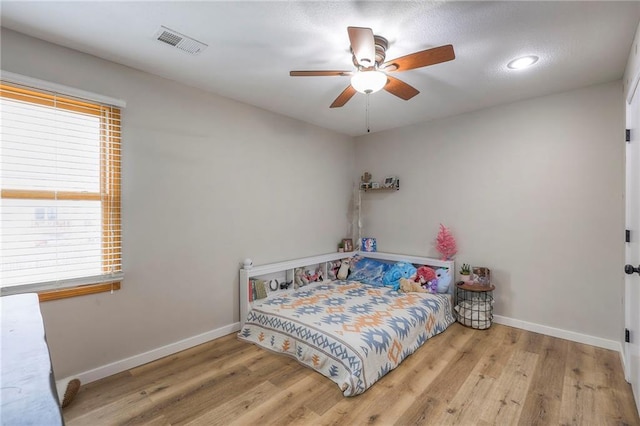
x=253 y=46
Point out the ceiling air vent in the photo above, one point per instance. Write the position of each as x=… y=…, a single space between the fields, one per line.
x=180 y=41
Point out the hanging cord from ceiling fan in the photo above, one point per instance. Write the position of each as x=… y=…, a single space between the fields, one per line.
x=367 y=115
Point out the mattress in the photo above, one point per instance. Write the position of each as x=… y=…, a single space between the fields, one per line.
x=350 y=332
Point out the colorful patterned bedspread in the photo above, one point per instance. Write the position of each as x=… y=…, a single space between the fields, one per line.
x=350 y=332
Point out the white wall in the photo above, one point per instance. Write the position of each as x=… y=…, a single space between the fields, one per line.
x=206 y=182
x=533 y=190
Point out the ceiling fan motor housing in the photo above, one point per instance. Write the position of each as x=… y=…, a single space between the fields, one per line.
x=381 y=45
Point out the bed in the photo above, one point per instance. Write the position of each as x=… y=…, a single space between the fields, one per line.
x=351 y=332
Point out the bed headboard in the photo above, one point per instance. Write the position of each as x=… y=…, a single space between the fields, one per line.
x=286 y=268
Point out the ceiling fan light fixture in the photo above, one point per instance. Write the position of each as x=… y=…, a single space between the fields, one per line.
x=368 y=81
x=523 y=62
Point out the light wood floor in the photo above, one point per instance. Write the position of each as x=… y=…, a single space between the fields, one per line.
x=500 y=376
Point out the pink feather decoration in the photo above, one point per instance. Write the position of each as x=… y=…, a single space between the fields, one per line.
x=445 y=243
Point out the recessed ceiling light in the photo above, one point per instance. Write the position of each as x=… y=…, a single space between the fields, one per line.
x=524 y=62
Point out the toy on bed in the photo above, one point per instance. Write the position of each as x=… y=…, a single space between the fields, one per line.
x=426 y=277
x=368 y=271
x=444 y=280
x=424 y=274
x=399 y=270
x=408 y=286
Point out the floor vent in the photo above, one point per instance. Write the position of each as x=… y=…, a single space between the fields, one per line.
x=179 y=41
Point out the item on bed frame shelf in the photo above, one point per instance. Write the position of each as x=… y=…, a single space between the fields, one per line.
x=343 y=272
x=399 y=270
x=257 y=289
x=446 y=243
x=316 y=276
x=300 y=277
x=285 y=285
x=261 y=291
x=333 y=268
x=348 y=244
x=481 y=275
x=369 y=245
x=409 y=286
x=248 y=263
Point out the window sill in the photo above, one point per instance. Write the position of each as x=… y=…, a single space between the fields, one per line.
x=82 y=290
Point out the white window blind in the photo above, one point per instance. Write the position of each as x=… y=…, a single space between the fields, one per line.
x=60 y=223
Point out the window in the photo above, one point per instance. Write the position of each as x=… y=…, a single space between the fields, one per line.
x=60 y=224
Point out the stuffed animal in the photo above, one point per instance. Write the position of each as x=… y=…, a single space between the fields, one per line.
x=300 y=278
x=444 y=280
x=431 y=286
x=392 y=277
x=425 y=274
x=317 y=276
x=408 y=286
x=343 y=272
x=332 y=269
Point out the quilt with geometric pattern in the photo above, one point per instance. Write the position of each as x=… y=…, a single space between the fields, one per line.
x=350 y=332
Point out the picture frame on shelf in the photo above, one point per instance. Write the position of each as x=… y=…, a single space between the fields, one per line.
x=364 y=185
x=375 y=185
x=347 y=244
x=390 y=181
x=369 y=245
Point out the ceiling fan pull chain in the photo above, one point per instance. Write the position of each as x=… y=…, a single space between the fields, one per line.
x=367 y=114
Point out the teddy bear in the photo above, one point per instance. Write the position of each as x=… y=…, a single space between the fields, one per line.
x=407 y=286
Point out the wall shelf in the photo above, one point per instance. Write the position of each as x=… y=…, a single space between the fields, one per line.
x=395 y=187
x=380 y=189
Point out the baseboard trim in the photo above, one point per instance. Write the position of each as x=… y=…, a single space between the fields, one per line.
x=560 y=333
x=152 y=355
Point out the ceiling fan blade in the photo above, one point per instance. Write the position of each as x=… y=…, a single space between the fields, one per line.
x=420 y=59
x=362 y=45
x=400 y=88
x=344 y=97
x=318 y=73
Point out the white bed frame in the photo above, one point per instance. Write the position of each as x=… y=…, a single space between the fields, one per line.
x=261 y=271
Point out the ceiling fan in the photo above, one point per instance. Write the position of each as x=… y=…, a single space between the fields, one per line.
x=372 y=72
